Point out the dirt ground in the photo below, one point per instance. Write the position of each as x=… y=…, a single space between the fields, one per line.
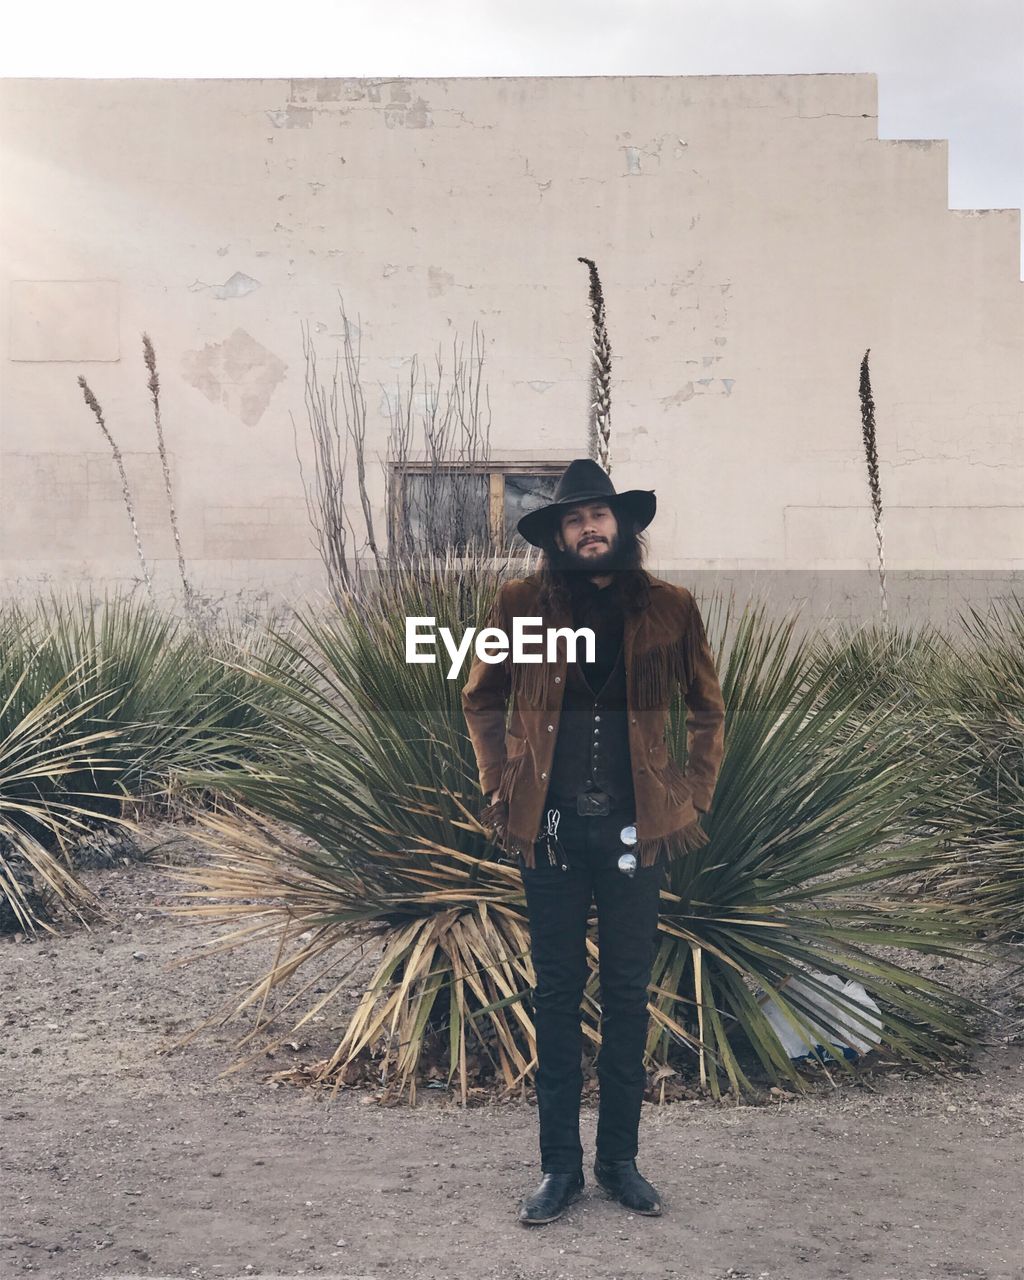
x=119 y=1159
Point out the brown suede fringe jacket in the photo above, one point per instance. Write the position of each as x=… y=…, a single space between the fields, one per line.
x=665 y=646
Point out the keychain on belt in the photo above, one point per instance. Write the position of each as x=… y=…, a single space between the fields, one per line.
x=556 y=854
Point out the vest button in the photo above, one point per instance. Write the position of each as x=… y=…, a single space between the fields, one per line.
x=551 y=728
x=543 y=775
x=558 y=679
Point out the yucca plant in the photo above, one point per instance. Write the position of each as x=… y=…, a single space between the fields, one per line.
x=884 y=661
x=810 y=828
x=965 y=692
x=175 y=697
x=365 y=817
x=103 y=704
x=978 y=697
x=43 y=745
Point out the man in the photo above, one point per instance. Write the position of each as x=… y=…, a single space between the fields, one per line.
x=583 y=793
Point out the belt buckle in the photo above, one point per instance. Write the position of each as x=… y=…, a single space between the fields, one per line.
x=593 y=804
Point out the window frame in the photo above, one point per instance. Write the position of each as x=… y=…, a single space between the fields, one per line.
x=496 y=471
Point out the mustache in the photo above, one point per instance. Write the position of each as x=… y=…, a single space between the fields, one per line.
x=612 y=558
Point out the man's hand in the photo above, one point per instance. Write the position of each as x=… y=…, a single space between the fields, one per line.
x=494 y=816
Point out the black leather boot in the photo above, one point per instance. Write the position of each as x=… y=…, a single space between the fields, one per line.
x=622 y=1179
x=551 y=1198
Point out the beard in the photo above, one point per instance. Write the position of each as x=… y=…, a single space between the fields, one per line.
x=609 y=560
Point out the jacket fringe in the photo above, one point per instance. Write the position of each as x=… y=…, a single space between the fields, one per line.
x=520 y=844
x=529 y=679
x=656 y=672
x=654 y=676
x=694 y=646
x=509 y=774
x=530 y=682
x=676 y=844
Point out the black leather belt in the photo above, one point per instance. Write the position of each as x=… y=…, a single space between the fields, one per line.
x=587 y=804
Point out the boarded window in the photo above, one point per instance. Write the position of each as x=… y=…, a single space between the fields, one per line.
x=446 y=510
x=454 y=507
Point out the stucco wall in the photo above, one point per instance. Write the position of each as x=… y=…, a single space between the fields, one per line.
x=753 y=234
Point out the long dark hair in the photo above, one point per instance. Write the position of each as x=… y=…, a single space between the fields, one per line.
x=630 y=580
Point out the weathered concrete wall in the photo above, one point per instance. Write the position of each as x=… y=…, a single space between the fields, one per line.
x=754 y=237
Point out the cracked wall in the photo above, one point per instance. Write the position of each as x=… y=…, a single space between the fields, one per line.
x=754 y=237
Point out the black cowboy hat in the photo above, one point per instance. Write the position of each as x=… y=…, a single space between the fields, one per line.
x=584 y=480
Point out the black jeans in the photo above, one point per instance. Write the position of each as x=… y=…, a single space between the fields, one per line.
x=558 y=903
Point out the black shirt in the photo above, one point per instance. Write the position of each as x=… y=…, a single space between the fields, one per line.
x=598 y=608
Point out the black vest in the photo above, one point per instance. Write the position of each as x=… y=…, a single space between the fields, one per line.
x=592 y=750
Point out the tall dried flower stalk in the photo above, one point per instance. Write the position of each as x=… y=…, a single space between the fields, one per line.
x=600 y=375
x=94 y=405
x=154 y=390
x=867 y=414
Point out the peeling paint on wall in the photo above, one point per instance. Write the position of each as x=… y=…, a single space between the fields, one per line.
x=410 y=115
x=236 y=286
x=292 y=118
x=239 y=374
x=438 y=281
x=915 y=144
x=680 y=397
x=637 y=157
x=326 y=90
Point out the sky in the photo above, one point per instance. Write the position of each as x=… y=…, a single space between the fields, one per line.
x=950 y=69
